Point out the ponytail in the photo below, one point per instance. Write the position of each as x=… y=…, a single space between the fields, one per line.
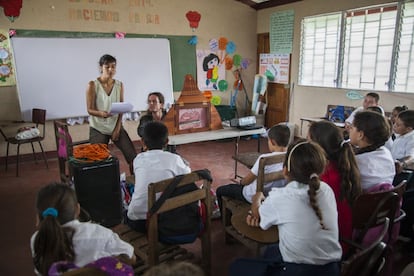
x=52 y=243
x=350 y=176
x=314 y=184
x=56 y=205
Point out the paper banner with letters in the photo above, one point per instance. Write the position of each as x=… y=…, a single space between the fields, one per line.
x=7 y=75
x=275 y=67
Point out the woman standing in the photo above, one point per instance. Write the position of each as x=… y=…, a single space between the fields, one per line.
x=100 y=95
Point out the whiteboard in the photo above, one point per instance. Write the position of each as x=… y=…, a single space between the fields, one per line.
x=53 y=73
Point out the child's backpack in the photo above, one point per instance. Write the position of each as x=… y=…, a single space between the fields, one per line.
x=183 y=224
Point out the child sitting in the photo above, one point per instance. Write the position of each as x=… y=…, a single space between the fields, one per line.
x=341 y=173
x=402 y=149
x=152 y=165
x=305 y=213
x=277 y=141
x=61 y=237
x=368 y=133
x=403 y=153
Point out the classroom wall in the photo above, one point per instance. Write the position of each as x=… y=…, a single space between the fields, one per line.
x=219 y=18
x=309 y=101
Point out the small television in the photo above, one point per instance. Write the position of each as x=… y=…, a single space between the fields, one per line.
x=192 y=117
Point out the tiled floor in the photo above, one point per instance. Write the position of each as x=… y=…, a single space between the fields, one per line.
x=17 y=201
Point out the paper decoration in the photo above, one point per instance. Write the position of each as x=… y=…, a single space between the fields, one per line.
x=7 y=76
x=193 y=18
x=11 y=8
x=210 y=70
x=120 y=35
x=193 y=40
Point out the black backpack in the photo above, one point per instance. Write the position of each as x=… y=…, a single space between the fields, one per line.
x=183 y=224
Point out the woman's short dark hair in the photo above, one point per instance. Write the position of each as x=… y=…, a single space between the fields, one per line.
x=159 y=95
x=106 y=59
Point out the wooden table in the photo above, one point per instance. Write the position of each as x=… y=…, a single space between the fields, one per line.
x=238 y=220
x=225 y=133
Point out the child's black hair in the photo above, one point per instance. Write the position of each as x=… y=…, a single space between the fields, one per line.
x=331 y=139
x=155 y=135
x=56 y=205
x=305 y=161
x=407 y=117
x=376 y=129
x=280 y=134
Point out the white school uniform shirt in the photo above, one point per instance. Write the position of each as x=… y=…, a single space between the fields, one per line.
x=403 y=146
x=375 y=167
x=389 y=144
x=301 y=237
x=92 y=241
x=152 y=166
x=250 y=190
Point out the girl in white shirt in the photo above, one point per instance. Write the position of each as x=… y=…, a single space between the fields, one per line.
x=368 y=133
x=306 y=215
x=62 y=237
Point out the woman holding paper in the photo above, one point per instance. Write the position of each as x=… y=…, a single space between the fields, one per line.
x=104 y=126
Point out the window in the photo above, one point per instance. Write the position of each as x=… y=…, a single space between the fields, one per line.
x=370 y=48
x=319 y=50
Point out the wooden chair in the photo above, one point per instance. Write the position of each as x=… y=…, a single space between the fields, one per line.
x=147 y=247
x=232 y=206
x=64 y=148
x=369 y=260
x=39 y=119
x=368 y=212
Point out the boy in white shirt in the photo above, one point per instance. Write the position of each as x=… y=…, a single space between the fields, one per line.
x=150 y=166
x=370 y=99
x=277 y=141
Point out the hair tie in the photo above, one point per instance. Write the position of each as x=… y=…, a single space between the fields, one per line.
x=290 y=153
x=344 y=142
x=313 y=175
x=50 y=212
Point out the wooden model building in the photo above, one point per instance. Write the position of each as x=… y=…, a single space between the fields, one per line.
x=192 y=112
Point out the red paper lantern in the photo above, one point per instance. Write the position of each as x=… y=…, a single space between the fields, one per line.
x=11 y=8
x=193 y=17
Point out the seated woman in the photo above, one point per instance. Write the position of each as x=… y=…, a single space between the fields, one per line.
x=155 y=111
x=368 y=133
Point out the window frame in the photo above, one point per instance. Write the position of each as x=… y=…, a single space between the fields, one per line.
x=343 y=56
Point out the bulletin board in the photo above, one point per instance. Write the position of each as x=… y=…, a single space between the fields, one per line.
x=54 y=68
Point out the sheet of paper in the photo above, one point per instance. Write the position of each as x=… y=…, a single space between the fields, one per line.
x=121 y=108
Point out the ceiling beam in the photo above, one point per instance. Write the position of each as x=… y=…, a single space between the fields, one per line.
x=267 y=4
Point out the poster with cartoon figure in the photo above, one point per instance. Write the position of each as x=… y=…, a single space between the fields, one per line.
x=6 y=68
x=210 y=70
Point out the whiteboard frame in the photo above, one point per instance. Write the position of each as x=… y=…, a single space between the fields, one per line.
x=53 y=73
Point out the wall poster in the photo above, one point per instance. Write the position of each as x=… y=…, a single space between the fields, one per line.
x=275 y=67
x=7 y=76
